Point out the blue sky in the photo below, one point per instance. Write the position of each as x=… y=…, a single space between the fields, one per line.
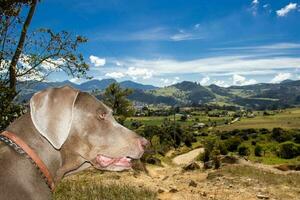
x=160 y=42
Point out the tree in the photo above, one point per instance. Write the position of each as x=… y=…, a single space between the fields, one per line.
x=116 y=98
x=34 y=55
x=31 y=55
x=16 y=56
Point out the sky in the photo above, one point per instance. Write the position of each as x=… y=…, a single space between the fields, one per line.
x=161 y=42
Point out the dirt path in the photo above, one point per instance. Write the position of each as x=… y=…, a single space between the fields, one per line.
x=171 y=182
x=187 y=157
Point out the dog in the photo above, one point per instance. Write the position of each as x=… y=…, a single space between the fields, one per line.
x=68 y=130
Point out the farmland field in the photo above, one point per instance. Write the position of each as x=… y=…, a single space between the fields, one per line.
x=286 y=119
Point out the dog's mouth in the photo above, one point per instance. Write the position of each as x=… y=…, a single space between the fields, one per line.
x=112 y=164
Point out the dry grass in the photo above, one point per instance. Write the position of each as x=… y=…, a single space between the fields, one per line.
x=91 y=186
x=269 y=178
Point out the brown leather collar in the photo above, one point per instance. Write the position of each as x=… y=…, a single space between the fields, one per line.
x=30 y=152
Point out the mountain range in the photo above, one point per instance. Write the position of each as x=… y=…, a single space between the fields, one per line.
x=186 y=93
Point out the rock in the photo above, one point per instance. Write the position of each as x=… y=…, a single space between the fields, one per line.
x=191 y=166
x=204 y=194
x=285 y=167
x=261 y=196
x=160 y=190
x=173 y=190
x=208 y=165
x=193 y=183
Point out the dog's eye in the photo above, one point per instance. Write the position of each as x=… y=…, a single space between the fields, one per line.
x=102 y=115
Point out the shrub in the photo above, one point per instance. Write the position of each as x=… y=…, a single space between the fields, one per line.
x=264 y=131
x=224 y=135
x=183 y=118
x=243 y=150
x=297 y=138
x=289 y=150
x=233 y=143
x=136 y=124
x=258 y=150
x=222 y=148
x=280 y=135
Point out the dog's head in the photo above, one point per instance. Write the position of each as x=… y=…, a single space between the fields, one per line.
x=68 y=117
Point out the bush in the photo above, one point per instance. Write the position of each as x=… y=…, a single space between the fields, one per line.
x=289 y=150
x=222 y=148
x=258 y=150
x=136 y=124
x=183 y=118
x=264 y=131
x=280 y=135
x=232 y=144
x=243 y=150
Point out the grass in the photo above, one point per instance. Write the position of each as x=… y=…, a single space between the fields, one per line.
x=158 y=120
x=287 y=119
x=90 y=186
x=266 y=177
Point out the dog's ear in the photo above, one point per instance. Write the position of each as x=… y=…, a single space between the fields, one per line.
x=52 y=113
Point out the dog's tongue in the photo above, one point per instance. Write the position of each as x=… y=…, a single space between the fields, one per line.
x=106 y=161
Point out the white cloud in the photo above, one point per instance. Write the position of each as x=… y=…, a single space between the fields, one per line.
x=224 y=64
x=135 y=72
x=241 y=80
x=76 y=80
x=221 y=83
x=115 y=75
x=118 y=63
x=97 y=61
x=254 y=7
x=281 y=77
x=167 y=81
x=187 y=35
x=285 y=10
x=277 y=46
x=197 y=26
x=205 y=80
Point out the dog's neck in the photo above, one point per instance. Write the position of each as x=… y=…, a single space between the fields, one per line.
x=24 y=128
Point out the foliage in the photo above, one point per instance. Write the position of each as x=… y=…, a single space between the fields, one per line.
x=183 y=118
x=243 y=150
x=280 y=135
x=258 y=150
x=289 y=150
x=233 y=143
x=42 y=51
x=8 y=109
x=116 y=98
x=31 y=55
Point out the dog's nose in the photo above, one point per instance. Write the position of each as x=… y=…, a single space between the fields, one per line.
x=144 y=143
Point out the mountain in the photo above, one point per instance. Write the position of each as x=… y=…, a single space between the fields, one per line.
x=134 y=85
x=258 y=96
x=96 y=84
x=28 y=88
x=185 y=93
